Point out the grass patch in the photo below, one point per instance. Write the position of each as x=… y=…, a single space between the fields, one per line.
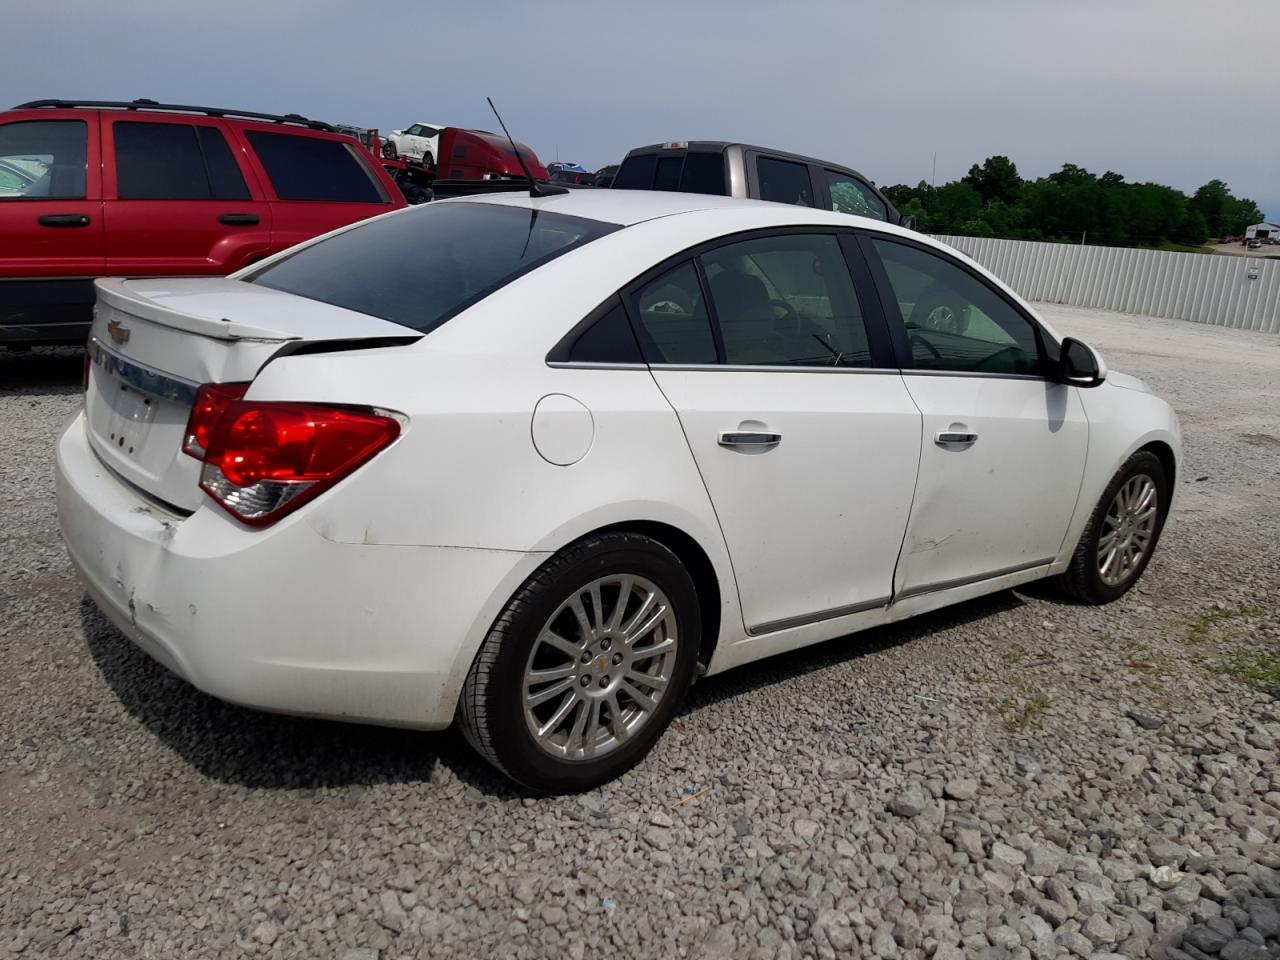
x=1253 y=668
x=1183 y=247
x=1199 y=628
x=1016 y=655
x=1023 y=710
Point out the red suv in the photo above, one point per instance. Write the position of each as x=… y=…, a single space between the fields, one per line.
x=98 y=189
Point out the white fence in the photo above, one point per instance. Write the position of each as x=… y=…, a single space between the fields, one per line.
x=1229 y=291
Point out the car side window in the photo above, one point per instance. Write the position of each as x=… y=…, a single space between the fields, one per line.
x=605 y=337
x=954 y=320
x=414 y=130
x=174 y=161
x=787 y=300
x=44 y=159
x=673 y=323
x=849 y=195
x=784 y=181
x=314 y=168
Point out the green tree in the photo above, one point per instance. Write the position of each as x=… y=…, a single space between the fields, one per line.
x=996 y=179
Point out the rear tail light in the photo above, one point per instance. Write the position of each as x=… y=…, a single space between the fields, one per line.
x=264 y=459
x=212 y=401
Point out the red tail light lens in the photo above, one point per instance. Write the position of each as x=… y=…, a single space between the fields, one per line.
x=212 y=401
x=264 y=459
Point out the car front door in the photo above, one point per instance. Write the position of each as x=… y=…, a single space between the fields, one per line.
x=1004 y=445
x=50 y=223
x=805 y=436
x=178 y=201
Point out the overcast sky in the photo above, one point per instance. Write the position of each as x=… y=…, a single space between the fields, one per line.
x=1175 y=91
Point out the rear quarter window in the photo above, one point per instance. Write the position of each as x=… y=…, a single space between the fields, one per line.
x=313 y=168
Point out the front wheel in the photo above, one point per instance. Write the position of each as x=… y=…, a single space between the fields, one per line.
x=586 y=666
x=1122 y=533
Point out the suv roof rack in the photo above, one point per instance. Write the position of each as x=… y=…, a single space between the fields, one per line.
x=145 y=104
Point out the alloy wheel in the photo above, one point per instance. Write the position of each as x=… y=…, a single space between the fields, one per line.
x=600 y=667
x=1127 y=529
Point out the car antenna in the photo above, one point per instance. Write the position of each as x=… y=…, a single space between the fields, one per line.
x=536 y=189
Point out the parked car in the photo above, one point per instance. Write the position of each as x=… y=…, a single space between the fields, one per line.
x=741 y=170
x=534 y=463
x=604 y=176
x=141 y=188
x=1254 y=243
x=571 y=173
x=419 y=142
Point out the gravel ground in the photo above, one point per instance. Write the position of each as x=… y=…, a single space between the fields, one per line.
x=1015 y=777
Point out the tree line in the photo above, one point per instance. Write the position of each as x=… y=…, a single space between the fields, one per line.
x=992 y=200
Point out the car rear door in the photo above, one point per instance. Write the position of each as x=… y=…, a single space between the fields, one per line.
x=807 y=440
x=1004 y=445
x=178 y=200
x=316 y=182
x=50 y=219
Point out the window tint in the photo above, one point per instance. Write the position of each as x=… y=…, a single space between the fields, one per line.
x=609 y=338
x=424 y=266
x=954 y=320
x=174 y=161
x=784 y=181
x=674 y=326
x=703 y=173
x=159 y=161
x=636 y=173
x=668 y=177
x=414 y=130
x=853 y=196
x=309 y=168
x=787 y=301
x=43 y=159
x=224 y=173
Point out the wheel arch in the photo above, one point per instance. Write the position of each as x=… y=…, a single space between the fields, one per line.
x=1168 y=460
x=696 y=560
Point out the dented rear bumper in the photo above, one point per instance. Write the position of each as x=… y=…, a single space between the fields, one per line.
x=281 y=619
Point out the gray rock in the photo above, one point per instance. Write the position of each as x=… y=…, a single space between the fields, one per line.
x=1004 y=937
x=1241 y=949
x=963 y=789
x=1204 y=937
x=909 y=803
x=1043 y=861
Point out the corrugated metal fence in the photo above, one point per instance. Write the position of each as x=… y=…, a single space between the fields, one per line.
x=1228 y=291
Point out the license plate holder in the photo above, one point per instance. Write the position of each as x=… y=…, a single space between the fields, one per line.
x=132 y=413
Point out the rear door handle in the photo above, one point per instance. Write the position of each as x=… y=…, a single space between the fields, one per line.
x=239 y=219
x=947 y=438
x=748 y=438
x=63 y=220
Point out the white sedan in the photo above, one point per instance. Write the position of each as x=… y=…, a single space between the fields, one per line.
x=533 y=464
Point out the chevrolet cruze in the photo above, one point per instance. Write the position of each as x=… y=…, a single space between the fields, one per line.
x=532 y=464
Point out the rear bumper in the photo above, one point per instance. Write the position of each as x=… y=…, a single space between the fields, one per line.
x=282 y=619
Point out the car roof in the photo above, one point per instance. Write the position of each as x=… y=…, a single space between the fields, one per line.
x=718 y=146
x=628 y=207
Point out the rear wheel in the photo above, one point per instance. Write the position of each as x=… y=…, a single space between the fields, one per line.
x=586 y=665
x=1122 y=533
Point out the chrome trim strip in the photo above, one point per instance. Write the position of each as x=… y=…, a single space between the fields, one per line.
x=967 y=581
x=805 y=619
x=765 y=368
x=587 y=365
x=140 y=376
x=976 y=373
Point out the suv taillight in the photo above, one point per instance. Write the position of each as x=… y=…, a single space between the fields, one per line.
x=264 y=459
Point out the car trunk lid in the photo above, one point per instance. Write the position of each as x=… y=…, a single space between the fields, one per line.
x=154 y=342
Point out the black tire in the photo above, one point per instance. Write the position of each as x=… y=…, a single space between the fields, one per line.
x=1082 y=580
x=427 y=159
x=491 y=711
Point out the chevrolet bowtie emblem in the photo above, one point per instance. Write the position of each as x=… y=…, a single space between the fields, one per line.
x=119 y=332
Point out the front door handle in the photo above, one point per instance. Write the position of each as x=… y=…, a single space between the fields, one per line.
x=946 y=438
x=63 y=220
x=748 y=438
x=239 y=219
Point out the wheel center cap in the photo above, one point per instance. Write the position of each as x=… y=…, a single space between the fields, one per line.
x=600 y=666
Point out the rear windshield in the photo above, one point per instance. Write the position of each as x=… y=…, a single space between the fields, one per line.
x=423 y=266
x=685 y=172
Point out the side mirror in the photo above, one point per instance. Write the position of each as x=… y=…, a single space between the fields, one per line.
x=907 y=222
x=1079 y=365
